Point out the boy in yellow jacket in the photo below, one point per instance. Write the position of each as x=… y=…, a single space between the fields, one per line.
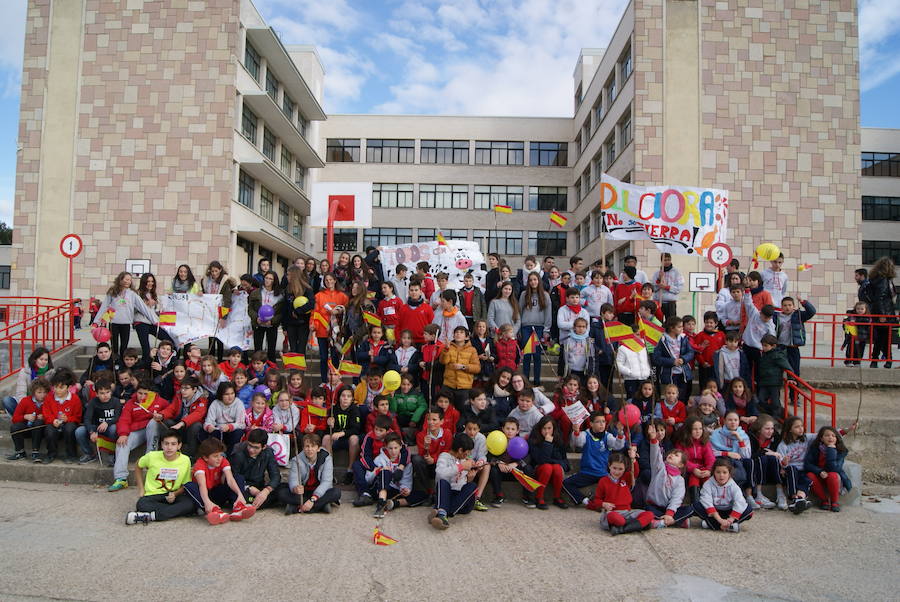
x=461 y=366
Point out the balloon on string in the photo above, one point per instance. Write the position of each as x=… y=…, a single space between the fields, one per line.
x=391 y=380
x=768 y=251
x=517 y=448
x=496 y=443
x=630 y=415
x=300 y=301
x=263 y=390
x=101 y=334
x=266 y=313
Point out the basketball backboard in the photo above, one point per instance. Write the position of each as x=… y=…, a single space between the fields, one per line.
x=362 y=203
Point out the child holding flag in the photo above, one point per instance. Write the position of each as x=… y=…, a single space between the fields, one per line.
x=327 y=300
x=143 y=407
x=100 y=417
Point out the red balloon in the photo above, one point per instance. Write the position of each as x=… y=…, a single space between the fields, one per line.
x=629 y=415
x=101 y=334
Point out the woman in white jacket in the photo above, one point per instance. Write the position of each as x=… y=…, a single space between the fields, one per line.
x=634 y=366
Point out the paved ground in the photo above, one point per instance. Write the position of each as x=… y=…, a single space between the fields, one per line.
x=70 y=543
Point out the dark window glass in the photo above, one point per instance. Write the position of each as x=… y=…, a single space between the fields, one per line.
x=390 y=151
x=339 y=150
x=885 y=208
x=444 y=152
x=873 y=250
x=547 y=198
x=553 y=154
x=504 y=242
x=881 y=164
x=344 y=239
x=248 y=125
x=547 y=243
x=251 y=61
x=489 y=152
x=269 y=141
x=392 y=195
x=246 y=186
x=386 y=236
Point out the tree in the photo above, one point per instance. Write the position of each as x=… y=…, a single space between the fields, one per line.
x=5 y=234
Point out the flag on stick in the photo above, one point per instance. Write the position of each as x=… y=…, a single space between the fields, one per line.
x=558 y=219
x=348 y=344
x=526 y=481
x=380 y=539
x=294 y=360
x=442 y=242
x=108 y=314
x=148 y=401
x=502 y=208
x=633 y=343
x=650 y=331
x=616 y=331
x=531 y=344
x=350 y=369
x=104 y=443
x=317 y=410
x=804 y=266
x=223 y=312
x=371 y=318
x=370 y=295
x=167 y=318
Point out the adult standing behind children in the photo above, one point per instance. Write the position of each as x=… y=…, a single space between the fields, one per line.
x=504 y=309
x=123 y=304
x=268 y=294
x=327 y=300
x=296 y=312
x=537 y=315
x=881 y=289
x=668 y=282
x=147 y=292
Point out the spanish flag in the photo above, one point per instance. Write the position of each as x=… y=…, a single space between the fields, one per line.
x=530 y=345
x=380 y=539
x=650 y=331
x=350 y=369
x=616 y=331
x=108 y=315
x=371 y=318
x=316 y=410
x=223 y=312
x=633 y=343
x=294 y=360
x=526 y=481
x=321 y=319
x=442 y=242
x=148 y=401
x=804 y=266
x=502 y=208
x=167 y=318
x=370 y=295
x=851 y=329
x=106 y=444
x=558 y=219
x=348 y=344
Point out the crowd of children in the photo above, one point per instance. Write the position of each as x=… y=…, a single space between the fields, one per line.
x=659 y=452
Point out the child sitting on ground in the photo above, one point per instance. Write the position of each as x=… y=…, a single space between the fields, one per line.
x=161 y=493
x=613 y=499
x=133 y=429
x=501 y=466
x=391 y=481
x=548 y=454
x=454 y=482
x=666 y=492
x=371 y=447
x=28 y=421
x=62 y=415
x=214 y=485
x=255 y=461
x=721 y=506
x=343 y=429
x=310 y=483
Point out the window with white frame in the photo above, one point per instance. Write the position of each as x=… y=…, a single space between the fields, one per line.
x=487 y=197
x=392 y=195
x=443 y=196
x=504 y=242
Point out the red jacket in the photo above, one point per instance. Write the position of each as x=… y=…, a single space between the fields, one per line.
x=135 y=418
x=625 y=303
x=196 y=411
x=389 y=311
x=697 y=455
x=27 y=406
x=678 y=412
x=706 y=344
x=70 y=408
x=508 y=354
x=616 y=493
x=228 y=371
x=306 y=418
x=451 y=418
x=428 y=287
x=431 y=354
x=370 y=423
x=415 y=319
x=437 y=445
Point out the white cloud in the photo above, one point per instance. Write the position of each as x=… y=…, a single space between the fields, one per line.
x=396 y=44
x=879 y=37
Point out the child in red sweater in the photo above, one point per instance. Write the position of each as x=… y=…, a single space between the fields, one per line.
x=28 y=420
x=231 y=363
x=389 y=310
x=507 y=349
x=671 y=411
x=613 y=498
x=706 y=343
x=451 y=414
x=693 y=440
x=314 y=416
x=431 y=353
x=62 y=415
x=382 y=407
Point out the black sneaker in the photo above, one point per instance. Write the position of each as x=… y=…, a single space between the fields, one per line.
x=348 y=478
x=380 y=509
x=498 y=501
x=529 y=503
x=37 y=458
x=560 y=503
x=363 y=500
x=19 y=455
x=48 y=459
x=291 y=509
x=542 y=506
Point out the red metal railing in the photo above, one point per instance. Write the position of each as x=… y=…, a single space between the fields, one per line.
x=825 y=335
x=30 y=322
x=802 y=399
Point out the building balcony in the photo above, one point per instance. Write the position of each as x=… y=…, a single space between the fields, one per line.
x=277 y=122
x=255 y=228
x=267 y=174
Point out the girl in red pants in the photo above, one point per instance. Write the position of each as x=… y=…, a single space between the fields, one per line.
x=548 y=455
x=824 y=467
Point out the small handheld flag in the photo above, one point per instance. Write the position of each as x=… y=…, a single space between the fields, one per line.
x=804 y=266
x=370 y=295
x=223 y=312
x=851 y=329
x=530 y=344
x=442 y=242
x=371 y=318
x=348 y=344
x=616 y=331
x=148 y=401
x=633 y=343
x=558 y=219
x=380 y=539
x=317 y=410
x=350 y=369
x=650 y=331
x=294 y=360
x=108 y=315
x=167 y=318
x=502 y=208
x=104 y=443
x=527 y=482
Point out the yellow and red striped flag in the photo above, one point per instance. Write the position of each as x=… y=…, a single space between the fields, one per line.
x=167 y=318
x=442 y=242
x=804 y=266
x=348 y=344
x=294 y=360
x=148 y=401
x=616 y=331
x=502 y=208
x=527 y=482
x=108 y=315
x=318 y=317
x=650 y=331
x=558 y=219
x=316 y=410
x=633 y=343
x=370 y=295
x=380 y=539
x=223 y=312
x=350 y=369
x=531 y=344
x=371 y=318
x=104 y=443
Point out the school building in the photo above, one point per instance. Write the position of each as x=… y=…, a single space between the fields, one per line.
x=183 y=134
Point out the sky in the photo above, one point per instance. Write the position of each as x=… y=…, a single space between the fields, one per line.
x=456 y=57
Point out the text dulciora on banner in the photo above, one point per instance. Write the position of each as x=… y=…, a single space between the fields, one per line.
x=681 y=220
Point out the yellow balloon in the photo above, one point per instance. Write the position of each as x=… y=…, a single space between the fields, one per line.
x=496 y=443
x=391 y=380
x=298 y=301
x=768 y=251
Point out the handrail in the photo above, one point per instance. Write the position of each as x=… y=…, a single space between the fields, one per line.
x=43 y=325
x=795 y=389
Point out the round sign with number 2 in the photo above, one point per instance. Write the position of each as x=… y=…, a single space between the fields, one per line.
x=719 y=254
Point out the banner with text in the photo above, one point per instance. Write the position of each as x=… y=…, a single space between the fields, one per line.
x=197 y=316
x=455 y=258
x=681 y=220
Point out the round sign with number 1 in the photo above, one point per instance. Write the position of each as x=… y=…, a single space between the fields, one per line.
x=719 y=254
x=71 y=245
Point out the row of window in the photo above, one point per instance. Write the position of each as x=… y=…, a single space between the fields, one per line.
x=881 y=164
x=253 y=62
x=614 y=83
x=873 y=250
x=456 y=196
x=588 y=230
x=447 y=152
x=291 y=168
x=885 y=208
x=270 y=208
x=505 y=242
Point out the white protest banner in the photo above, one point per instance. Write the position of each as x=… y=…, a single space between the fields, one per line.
x=197 y=316
x=682 y=220
x=455 y=258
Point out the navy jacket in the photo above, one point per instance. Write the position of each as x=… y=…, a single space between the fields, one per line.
x=834 y=462
x=664 y=360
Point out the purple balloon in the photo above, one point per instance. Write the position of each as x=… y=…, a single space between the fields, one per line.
x=262 y=389
x=266 y=313
x=517 y=448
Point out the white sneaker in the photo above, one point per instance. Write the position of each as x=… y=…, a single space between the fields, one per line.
x=585 y=501
x=133 y=518
x=704 y=524
x=735 y=528
x=751 y=502
x=764 y=502
x=781 y=500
